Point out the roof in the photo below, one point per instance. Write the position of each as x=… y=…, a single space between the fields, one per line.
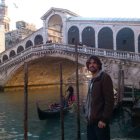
x=57 y=9
x=103 y=19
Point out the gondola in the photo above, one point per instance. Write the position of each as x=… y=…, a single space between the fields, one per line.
x=49 y=113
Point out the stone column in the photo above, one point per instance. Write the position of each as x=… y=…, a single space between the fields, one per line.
x=136 y=42
x=80 y=35
x=64 y=31
x=96 y=39
x=114 y=41
x=45 y=35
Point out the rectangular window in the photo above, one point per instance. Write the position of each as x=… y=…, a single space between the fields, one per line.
x=5 y=25
x=73 y=39
x=124 y=42
x=8 y=26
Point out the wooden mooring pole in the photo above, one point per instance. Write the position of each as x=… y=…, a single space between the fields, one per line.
x=119 y=87
x=25 y=100
x=77 y=90
x=61 y=105
x=122 y=84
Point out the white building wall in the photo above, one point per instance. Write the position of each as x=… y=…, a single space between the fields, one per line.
x=2 y=38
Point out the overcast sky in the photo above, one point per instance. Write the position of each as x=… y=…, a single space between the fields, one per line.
x=31 y=10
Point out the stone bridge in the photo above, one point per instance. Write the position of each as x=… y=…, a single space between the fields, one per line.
x=43 y=64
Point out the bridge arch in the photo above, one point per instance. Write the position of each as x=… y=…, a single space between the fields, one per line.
x=44 y=74
x=125 y=40
x=0 y=60
x=28 y=44
x=105 y=38
x=20 y=49
x=88 y=36
x=73 y=35
x=12 y=53
x=38 y=39
x=5 y=57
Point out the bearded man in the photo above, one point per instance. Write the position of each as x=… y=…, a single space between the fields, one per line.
x=100 y=101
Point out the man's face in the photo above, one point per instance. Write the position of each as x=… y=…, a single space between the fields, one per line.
x=93 y=66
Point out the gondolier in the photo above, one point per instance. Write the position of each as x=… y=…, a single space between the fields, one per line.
x=71 y=92
x=100 y=101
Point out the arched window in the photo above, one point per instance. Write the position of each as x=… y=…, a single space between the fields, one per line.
x=73 y=35
x=20 y=49
x=105 y=38
x=38 y=39
x=17 y=40
x=88 y=37
x=10 y=43
x=5 y=57
x=125 y=40
x=12 y=53
x=28 y=44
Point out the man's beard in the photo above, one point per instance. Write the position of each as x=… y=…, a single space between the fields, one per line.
x=93 y=71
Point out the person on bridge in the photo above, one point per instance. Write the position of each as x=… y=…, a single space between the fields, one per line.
x=71 y=92
x=42 y=42
x=100 y=101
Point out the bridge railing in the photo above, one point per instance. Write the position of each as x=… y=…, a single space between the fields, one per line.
x=102 y=52
x=71 y=48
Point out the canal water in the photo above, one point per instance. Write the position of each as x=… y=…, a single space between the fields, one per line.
x=11 y=117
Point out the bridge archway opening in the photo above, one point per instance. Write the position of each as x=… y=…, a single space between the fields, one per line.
x=105 y=38
x=12 y=53
x=20 y=49
x=38 y=40
x=73 y=35
x=125 y=40
x=88 y=37
x=42 y=71
x=55 y=28
x=5 y=57
x=28 y=44
x=0 y=60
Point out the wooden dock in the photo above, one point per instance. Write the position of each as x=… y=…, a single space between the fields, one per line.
x=128 y=97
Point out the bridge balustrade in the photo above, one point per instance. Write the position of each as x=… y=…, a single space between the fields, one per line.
x=71 y=48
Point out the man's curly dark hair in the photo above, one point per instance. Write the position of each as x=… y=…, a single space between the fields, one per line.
x=95 y=58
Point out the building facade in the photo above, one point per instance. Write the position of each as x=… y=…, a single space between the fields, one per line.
x=15 y=36
x=64 y=26
x=61 y=25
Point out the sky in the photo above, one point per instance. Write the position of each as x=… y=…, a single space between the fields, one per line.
x=32 y=10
